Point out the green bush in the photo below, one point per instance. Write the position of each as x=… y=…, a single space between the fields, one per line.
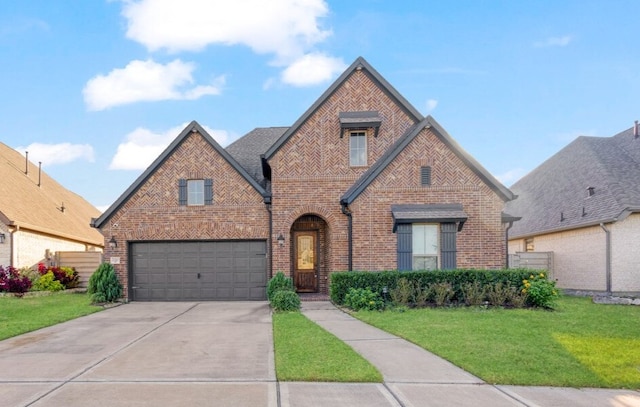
x=47 y=282
x=541 y=292
x=378 y=282
x=104 y=285
x=473 y=294
x=442 y=293
x=277 y=283
x=363 y=298
x=498 y=294
x=402 y=293
x=285 y=300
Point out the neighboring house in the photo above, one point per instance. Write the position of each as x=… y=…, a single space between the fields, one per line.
x=38 y=216
x=583 y=204
x=361 y=181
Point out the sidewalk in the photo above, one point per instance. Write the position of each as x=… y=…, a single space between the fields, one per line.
x=415 y=377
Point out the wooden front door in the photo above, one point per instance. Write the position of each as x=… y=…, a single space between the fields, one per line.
x=306 y=261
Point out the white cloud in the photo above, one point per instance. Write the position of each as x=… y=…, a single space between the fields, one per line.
x=146 y=81
x=511 y=176
x=554 y=42
x=285 y=28
x=431 y=104
x=312 y=69
x=142 y=146
x=53 y=154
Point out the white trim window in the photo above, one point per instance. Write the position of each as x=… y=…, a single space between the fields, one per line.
x=195 y=192
x=358 y=149
x=425 y=246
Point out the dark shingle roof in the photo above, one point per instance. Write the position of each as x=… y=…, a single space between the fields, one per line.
x=248 y=149
x=554 y=196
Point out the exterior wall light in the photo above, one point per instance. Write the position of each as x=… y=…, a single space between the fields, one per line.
x=2 y=237
x=280 y=240
x=113 y=243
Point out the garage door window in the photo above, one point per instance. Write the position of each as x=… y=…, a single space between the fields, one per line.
x=195 y=192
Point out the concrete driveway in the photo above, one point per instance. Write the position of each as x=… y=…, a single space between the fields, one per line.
x=146 y=354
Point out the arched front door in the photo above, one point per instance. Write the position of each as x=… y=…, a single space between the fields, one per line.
x=306 y=261
x=308 y=253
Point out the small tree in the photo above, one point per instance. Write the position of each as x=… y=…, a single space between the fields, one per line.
x=104 y=285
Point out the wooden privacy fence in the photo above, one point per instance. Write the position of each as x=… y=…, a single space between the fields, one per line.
x=85 y=263
x=532 y=260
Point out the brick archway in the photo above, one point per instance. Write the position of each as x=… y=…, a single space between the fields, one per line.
x=311 y=230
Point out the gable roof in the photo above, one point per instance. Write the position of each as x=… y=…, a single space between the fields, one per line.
x=192 y=127
x=248 y=149
x=360 y=64
x=35 y=201
x=429 y=122
x=555 y=195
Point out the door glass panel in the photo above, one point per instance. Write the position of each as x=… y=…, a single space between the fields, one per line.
x=305 y=253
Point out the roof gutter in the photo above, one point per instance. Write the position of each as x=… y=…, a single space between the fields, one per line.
x=347 y=212
x=607 y=256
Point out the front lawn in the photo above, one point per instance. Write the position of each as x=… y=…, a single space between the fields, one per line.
x=306 y=352
x=580 y=344
x=21 y=315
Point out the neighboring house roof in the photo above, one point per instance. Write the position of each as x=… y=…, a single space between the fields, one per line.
x=248 y=149
x=361 y=184
x=31 y=199
x=358 y=65
x=192 y=127
x=592 y=180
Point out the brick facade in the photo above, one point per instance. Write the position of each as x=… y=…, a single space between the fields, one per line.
x=152 y=213
x=309 y=173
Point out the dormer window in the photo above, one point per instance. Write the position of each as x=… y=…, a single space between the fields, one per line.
x=590 y=191
x=358 y=149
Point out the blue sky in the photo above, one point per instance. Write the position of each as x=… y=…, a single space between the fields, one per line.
x=96 y=89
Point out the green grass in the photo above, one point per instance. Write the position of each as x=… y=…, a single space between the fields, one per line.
x=21 y=315
x=306 y=352
x=580 y=344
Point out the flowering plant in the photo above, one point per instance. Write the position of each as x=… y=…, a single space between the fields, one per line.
x=12 y=281
x=541 y=292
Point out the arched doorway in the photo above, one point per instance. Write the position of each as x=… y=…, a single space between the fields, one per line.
x=308 y=254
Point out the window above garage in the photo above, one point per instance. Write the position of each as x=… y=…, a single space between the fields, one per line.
x=195 y=192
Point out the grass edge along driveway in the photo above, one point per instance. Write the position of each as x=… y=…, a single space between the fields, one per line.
x=306 y=352
x=580 y=344
x=22 y=315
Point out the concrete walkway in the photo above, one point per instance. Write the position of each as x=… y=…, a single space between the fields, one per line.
x=415 y=377
x=221 y=354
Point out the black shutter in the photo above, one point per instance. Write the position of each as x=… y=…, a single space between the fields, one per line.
x=208 y=191
x=182 y=192
x=448 y=232
x=425 y=176
x=405 y=247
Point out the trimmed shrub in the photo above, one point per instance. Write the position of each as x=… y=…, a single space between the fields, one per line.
x=47 y=282
x=363 y=298
x=285 y=300
x=104 y=285
x=387 y=281
x=277 y=283
x=442 y=293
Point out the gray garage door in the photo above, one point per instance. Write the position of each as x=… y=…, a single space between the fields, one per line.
x=196 y=271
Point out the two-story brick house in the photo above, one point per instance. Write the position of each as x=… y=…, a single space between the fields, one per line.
x=361 y=181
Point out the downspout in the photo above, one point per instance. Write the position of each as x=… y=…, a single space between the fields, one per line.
x=506 y=243
x=268 y=204
x=347 y=213
x=607 y=256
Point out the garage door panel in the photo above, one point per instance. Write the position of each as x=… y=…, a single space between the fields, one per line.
x=208 y=270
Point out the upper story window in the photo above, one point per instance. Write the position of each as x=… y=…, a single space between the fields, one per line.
x=195 y=192
x=358 y=149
